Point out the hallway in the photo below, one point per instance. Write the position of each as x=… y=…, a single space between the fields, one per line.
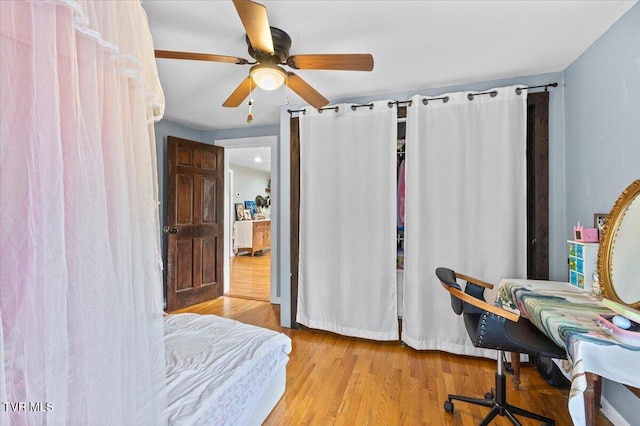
x=251 y=276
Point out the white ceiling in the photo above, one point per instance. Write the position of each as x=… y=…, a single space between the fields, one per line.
x=246 y=157
x=415 y=45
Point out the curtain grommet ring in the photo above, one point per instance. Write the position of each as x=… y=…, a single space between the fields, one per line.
x=493 y=93
x=445 y=100
x=425 y=101
x=470 y=96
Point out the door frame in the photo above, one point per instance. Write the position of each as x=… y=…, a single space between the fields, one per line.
x=538 y=186
x=270 y=141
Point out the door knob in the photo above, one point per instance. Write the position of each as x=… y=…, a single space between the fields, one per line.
x=170 y=230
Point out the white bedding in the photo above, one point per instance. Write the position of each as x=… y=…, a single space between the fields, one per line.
x=217 y=368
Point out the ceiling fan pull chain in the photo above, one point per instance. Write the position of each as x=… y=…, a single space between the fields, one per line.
x=250 y=103
x=250 y=116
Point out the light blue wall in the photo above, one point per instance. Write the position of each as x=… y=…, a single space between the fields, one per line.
x=602 y=121
x=602 y=139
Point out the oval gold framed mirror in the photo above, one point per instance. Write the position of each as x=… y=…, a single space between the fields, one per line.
x=619 y=251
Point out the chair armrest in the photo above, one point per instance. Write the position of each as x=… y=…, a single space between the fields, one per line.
x=474 y=280
x=481 y=304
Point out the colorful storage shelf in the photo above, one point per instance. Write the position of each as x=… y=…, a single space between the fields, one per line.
x=582 y=263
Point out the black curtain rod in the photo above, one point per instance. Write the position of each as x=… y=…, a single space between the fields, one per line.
x=425 y=101
x=335 y=108
x=304 y=111
x=546 y=87
x=491 y=93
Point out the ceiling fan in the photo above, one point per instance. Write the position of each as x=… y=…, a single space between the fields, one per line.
x=269 y=46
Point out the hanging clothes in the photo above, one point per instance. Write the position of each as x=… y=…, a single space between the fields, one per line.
x=401 y=183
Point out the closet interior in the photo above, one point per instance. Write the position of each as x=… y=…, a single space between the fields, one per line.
x=400 y=150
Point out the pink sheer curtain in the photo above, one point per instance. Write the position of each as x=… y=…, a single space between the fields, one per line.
x=81 y=288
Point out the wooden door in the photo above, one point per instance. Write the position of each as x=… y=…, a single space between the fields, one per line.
x=195 y=223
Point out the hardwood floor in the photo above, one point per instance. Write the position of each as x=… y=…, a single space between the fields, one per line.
x=250 y=276
x=337 y=380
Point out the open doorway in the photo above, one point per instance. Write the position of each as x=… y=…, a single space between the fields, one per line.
x=249 y=261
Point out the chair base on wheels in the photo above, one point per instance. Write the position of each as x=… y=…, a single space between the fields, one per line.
x=497 y=400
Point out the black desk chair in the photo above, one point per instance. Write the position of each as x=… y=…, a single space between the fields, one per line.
x=489 y=326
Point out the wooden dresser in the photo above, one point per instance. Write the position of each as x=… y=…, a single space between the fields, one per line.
x=252 y=235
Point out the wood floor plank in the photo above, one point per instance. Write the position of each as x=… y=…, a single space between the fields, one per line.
x=337 y=380
x=250 y=276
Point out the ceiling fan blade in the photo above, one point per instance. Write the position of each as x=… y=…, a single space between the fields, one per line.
x=200 y=57
x=240 y=94
x=305 y=91
x=346 y=62
x=254 y=18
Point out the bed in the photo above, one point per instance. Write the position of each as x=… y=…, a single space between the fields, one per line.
x=221 y=371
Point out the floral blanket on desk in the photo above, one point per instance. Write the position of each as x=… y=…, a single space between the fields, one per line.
x=569 y=316
x=562 y=311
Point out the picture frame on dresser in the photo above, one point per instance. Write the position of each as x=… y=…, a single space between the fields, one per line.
x=599 y=220
x=239 y=211
x=252 y=206
x=247 y=214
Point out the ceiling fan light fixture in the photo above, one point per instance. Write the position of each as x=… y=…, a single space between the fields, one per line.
x=267 y=76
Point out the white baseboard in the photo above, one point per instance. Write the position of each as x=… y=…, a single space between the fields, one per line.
x=612 y=414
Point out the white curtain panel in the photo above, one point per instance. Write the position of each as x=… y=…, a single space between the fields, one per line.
x=81 y=337
x=465 y=207
x=347 y=276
